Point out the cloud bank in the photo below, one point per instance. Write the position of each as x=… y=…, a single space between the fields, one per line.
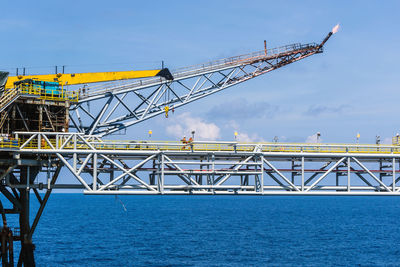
x=313 y=139
x=185 y=123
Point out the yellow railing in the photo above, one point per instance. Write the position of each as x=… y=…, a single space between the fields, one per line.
x=213 y=147
x=47 y=94
x=396 y=140
x=9 y=143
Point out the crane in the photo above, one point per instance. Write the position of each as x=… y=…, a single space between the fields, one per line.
x=30 y=90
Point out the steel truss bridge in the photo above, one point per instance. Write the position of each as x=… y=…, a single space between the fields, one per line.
x=207 y=168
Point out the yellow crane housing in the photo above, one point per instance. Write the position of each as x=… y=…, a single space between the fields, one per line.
x=90 y=77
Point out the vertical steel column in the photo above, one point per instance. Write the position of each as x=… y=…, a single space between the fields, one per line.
x=152 y=175
x=26 y=256
x=159 y=172
x=337 y=177
x=302 y=173
x=75 y=156
x=162 y=174
x=28 y=171
x=394 y=174
x=40 y=117
x=262 y=174
x=293 y=173
x=208 y=171
x=348 y=174
x=200 y=181
x=94 y=160
x=380 y=173
x=213 y=169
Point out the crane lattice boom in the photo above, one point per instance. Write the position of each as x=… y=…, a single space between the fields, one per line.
x=189 y=84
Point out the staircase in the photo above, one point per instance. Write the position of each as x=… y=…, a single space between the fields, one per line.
x=8 y=97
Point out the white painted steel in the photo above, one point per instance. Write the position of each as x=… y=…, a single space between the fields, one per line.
x=108 y=167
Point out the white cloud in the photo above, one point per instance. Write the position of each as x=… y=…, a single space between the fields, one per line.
x=184 y=124
x=313 y=139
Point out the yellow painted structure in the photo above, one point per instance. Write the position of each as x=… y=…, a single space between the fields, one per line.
x=204 y=146
x=84 y=78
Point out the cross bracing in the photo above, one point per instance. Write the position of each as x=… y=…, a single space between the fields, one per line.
x=132 y=167
x=114 y=106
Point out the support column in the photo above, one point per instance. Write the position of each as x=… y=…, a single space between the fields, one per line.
x=94 y=171
x=348 y=174
x=162 y=174
x=262 y=174
x=337 y=177
x=394 y=174
x=302 y=173
x=40 y=107
x=26 y=257
x=380 y=173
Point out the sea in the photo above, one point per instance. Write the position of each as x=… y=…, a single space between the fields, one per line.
x=79 y=230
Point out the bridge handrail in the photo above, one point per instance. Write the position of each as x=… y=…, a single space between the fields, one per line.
x=64 y=141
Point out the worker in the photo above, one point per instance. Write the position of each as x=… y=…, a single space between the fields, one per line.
x=184 y=140
x=190 y=141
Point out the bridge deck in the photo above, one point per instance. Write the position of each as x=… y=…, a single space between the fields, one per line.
x=65 y=141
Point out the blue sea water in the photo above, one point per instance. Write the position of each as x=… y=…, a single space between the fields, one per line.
x=78 y=230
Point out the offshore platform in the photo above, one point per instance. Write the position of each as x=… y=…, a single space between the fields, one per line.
x=46 y=126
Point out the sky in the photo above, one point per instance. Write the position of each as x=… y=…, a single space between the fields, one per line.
x=351 y=88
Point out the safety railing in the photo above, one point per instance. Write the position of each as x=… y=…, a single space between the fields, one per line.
x=9 y=143
x=194 y=69
x=47 y=94
x=245 y=57
x=396 y=140
x=65 y=141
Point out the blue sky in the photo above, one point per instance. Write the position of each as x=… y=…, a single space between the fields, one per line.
x=352 y=87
